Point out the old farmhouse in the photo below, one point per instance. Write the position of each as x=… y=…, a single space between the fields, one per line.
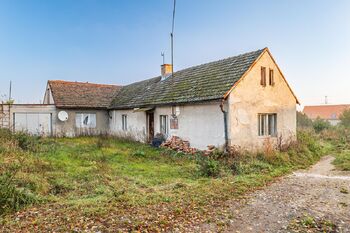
x=242 y=100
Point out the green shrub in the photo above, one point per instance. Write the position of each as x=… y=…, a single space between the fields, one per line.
x=11 y=197
x=209 y=167
x=342 y=161
x=26 y=142
x=345 y=118
x=303 y=121
x=319 y=125
x=139 y=153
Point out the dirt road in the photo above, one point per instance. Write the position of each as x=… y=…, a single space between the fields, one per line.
x=305 y=201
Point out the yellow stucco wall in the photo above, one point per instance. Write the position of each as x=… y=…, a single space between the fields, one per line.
x=249 y=98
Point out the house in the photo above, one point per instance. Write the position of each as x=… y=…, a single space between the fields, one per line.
x=84 y=107
x=242 y=100
x=239 y=101
x=330 y=113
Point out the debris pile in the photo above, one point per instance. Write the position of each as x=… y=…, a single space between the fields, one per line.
x=179 y=145
x=210 y=150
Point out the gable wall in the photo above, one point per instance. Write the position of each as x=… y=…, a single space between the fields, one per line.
x=249 y=98
x=48 y=99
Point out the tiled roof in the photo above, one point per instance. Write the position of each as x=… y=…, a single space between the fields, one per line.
x=82 y=95
x=326 y=112
x=205 y=82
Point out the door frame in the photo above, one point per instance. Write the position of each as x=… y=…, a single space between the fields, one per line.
x=150 y=125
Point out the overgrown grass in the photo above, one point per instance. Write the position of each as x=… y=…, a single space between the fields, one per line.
x=96 y=174
x=339 y=138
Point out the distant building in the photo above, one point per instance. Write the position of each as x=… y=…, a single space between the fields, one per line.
x=330 y=113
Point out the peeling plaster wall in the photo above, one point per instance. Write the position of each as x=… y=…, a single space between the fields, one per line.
x=249 y=98
x=69 y=129
x=136 y=122
x=200 y=124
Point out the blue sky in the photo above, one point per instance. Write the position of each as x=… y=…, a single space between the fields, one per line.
x=120 y=42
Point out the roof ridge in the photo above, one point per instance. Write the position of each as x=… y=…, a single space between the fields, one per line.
x=79 y=82
x=221 y=60
x=326 y=105
x=203 y=64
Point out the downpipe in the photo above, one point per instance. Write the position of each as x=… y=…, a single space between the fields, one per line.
x=225 y=125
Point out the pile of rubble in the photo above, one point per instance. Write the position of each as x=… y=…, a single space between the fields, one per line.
x=179 y=145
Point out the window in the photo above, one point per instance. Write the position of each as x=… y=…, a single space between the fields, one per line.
x=271 y=78
x=164 y=124
x=267 y=124
x=124 y=122
x=263 y=76
x=85 y=120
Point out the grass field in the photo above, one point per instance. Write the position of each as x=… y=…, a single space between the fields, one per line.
x=99 y=183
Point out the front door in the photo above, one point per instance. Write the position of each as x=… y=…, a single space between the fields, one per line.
x=150 y=126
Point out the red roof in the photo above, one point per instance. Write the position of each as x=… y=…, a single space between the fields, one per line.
x=326 y=112
x=82 y=95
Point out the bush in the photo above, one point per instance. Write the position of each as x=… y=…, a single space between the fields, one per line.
x=345 y=118
x=303 y=121
x=306 y=150
x=319 y=125
x=26 y=142
x=209 y=167
x=11 y=197
x=139 y=153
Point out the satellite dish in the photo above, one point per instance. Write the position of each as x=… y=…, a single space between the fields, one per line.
x=63 y=116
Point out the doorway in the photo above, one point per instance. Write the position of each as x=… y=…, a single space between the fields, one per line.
x=150 y=126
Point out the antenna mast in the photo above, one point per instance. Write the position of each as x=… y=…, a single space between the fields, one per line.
x=10 y=92
x=172 y=41
x=162 y=54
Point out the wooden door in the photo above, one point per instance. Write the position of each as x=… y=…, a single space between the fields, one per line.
x=150 y=126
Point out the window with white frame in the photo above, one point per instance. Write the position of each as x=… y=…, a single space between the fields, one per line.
x=164 y=124
x=85 y=120
x=124 y=122
x=267 y=123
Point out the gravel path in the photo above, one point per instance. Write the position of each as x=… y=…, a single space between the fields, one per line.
x=320 y=192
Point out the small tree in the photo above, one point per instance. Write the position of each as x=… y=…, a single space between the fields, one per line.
x=303 y=121
x=345 y=118
x=320 y=125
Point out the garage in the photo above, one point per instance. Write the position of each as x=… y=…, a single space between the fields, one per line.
x=33 y=123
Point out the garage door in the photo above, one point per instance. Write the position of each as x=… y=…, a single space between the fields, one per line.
x=33 y=123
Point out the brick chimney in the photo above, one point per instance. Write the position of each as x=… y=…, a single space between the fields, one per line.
x=166 y=70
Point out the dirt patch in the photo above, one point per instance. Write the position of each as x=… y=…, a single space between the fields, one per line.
x=319 y=192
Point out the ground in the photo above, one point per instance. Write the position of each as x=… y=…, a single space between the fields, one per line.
x=306 y=201
x=98 y=184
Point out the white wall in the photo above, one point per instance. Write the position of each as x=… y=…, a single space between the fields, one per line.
x=136 y=122
x=200 y=124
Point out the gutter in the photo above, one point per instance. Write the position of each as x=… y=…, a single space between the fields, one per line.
x=225 y=124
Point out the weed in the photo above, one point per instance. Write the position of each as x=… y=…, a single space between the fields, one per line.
x=344 y=191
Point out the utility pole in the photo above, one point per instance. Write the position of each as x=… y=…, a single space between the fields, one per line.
x=172 y=40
